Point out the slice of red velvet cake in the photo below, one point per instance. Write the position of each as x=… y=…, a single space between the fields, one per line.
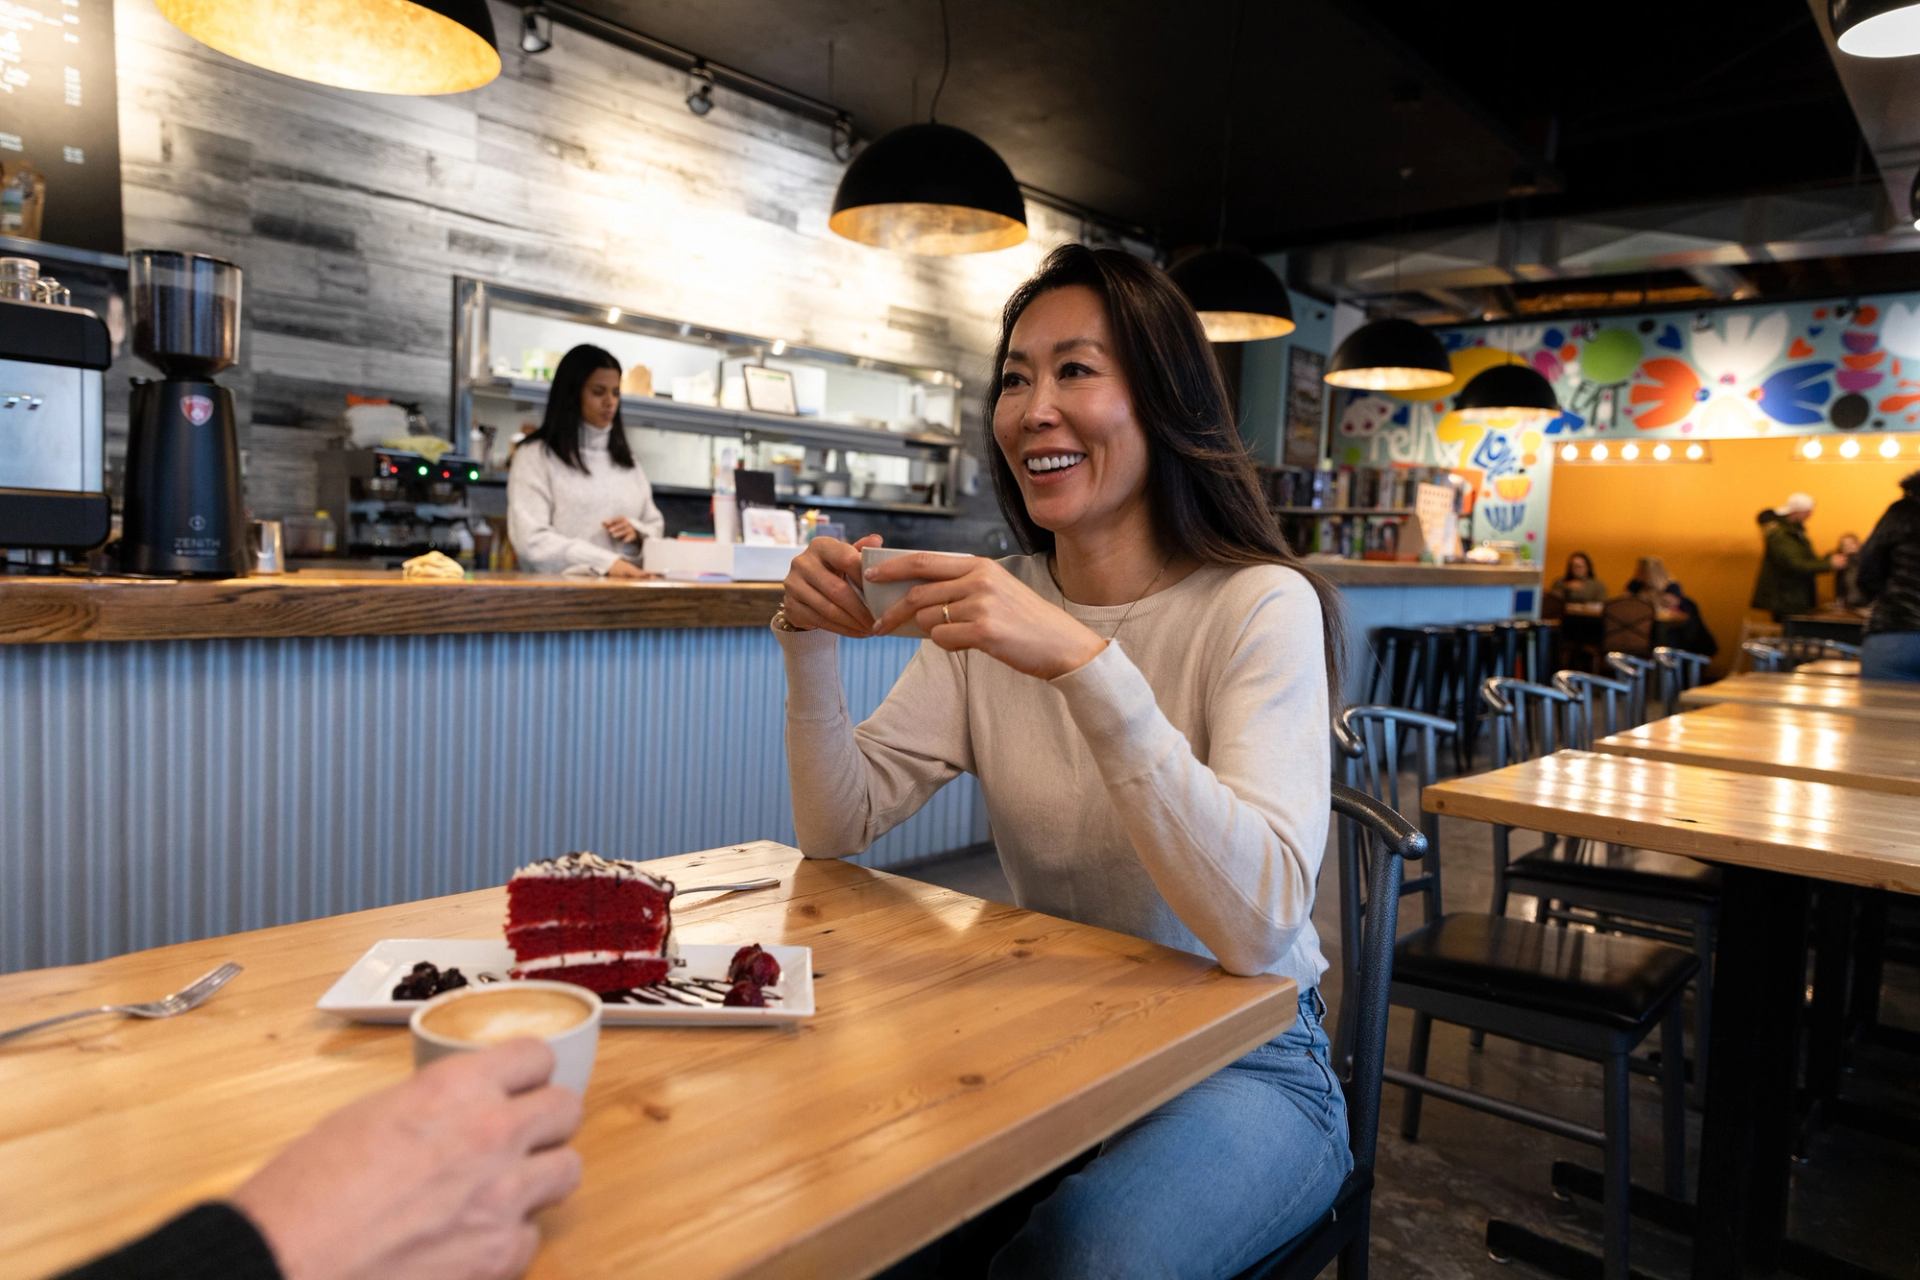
x=599 y=924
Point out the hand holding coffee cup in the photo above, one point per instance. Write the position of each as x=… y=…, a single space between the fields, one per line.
x=565 y=1017
x=823 y=591
x=970 y=602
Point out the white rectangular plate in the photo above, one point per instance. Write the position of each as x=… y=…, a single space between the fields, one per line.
x=364 y=993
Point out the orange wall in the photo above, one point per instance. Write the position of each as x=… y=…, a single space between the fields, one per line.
x=1699 y=516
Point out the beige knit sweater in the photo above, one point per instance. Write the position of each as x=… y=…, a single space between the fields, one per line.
x=1174 y=788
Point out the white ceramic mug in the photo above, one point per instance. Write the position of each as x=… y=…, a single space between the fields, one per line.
x=882 y=596
x=531 y=1008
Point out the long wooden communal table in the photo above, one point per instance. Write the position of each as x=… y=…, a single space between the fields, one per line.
x=1838 y=668
x=960 y=1050
x=1782 y=742
x=1771 y=836
x=1871 y=699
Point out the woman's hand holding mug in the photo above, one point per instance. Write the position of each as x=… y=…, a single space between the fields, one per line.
x=819 y=588
x=974 y=603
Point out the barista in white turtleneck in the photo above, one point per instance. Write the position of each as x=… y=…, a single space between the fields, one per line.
x=576 y=499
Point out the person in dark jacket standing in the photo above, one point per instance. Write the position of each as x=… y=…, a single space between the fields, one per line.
x=1890 y=572
x=1790 y=564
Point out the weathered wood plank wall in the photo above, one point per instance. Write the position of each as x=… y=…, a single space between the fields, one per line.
x=579 y=171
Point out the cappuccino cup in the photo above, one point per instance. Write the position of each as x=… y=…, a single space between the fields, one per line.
x=566 y=1017
x=882 y=596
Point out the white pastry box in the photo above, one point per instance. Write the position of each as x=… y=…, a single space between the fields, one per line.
x=694 y=558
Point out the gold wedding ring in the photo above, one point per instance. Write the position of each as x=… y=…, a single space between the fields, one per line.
x=946 y=615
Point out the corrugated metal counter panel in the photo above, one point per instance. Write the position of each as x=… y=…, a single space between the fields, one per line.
x=152 y=793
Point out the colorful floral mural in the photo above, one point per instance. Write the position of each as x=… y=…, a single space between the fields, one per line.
x=1733 y=372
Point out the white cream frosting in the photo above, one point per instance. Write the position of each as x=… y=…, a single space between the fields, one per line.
x=583 y=865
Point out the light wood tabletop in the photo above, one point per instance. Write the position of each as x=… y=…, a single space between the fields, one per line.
x=1819 y=746
x=961 y=1048
x=1874 y=699
x=1789 y=825
x=1842 y=668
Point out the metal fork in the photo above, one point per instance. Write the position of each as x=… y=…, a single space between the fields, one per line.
x=191 y=996
x=771 y=882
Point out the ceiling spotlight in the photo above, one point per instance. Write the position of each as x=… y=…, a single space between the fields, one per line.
x=1599 y=453
x=843 y=137
x=536 y=30
x=699 y=89
x=1875 y=28
x=1812 y=450
x=1695 y=452
x=1849 y=448
x=1662 y=451
x=1629 y=451
x=1889 y=448
x=1569 y=453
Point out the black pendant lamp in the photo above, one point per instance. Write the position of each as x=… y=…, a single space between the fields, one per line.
x=930 y=189
x=1239 y=298
x=1390 y=355
x=1516 y=389
x=1875 y=28
x=412 y=47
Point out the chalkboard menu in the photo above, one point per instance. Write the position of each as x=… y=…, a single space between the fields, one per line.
x=59 y=119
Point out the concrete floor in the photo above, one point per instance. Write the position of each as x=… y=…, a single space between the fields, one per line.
x=1434 y=1196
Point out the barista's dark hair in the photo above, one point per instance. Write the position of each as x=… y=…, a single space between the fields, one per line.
x=1203 y=490
x=560 y=428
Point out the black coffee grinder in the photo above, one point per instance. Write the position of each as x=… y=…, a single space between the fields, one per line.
x=183 y=515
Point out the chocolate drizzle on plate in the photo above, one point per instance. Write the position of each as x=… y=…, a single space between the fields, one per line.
x=695 y=992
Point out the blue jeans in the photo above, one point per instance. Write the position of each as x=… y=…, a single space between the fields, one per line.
x=1208 y=1184
x=1891 y=655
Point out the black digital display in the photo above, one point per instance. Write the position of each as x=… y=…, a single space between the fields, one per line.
x=58 y=113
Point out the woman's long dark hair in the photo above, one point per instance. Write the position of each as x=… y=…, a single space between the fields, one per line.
x=1578 y=555
x=1203 y=491
x=560 y=429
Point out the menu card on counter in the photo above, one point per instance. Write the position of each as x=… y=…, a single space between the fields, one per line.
x=59 y=124
x=1439 y=524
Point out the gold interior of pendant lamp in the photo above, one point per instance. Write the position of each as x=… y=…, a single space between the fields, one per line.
x=1244 y=326
x=937 y=230
x=1389 y=378
x=374 y=46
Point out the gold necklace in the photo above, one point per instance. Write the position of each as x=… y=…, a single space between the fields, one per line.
x=1112 y=635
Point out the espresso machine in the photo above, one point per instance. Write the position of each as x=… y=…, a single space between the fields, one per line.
x=183 y=515
x=52 y=358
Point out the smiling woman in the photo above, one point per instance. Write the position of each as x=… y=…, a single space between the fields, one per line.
x=1144 y=698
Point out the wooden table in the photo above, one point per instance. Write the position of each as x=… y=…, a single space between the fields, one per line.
x=1842 y=668
x=962 y=1048
x=1598 y=608
x=1771 y=836
x=1870 y=699
x=1818 y=746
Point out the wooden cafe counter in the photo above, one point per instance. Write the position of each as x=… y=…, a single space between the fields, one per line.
x=185 y=759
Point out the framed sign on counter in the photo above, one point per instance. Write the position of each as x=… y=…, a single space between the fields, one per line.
x=59 y=125
x=1306 y=407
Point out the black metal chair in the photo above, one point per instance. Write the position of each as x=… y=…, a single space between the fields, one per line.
x=1594 y=996
x=1617 y=888
x=1638 y=673
x=1374 y=843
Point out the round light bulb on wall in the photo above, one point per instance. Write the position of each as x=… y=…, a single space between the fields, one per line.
x=1889 y=448
x=1569 y=453
x=1662 y=451
x=1695 y=452
x=1629 y=451
x=1599 y=453
x=1812 y=449
x=1849 y=448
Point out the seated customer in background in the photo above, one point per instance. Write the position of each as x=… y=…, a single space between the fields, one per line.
x=435 y=1178
x=1650 y=580
x=1578 y=585
x=1890 y=573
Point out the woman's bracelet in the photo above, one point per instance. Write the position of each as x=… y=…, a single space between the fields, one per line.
x=780 y=623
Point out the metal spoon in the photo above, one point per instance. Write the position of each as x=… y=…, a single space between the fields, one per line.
x=771 y=882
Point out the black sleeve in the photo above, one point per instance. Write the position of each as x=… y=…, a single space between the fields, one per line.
x=1875 y=559
x=209 y=1240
